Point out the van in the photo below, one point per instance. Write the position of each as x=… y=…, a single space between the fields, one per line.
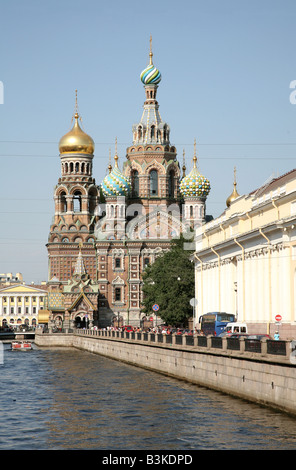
x=235 y=328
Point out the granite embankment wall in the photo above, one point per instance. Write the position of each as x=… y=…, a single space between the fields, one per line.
x=262 y=377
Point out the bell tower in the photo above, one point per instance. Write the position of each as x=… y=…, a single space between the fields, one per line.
x=152 y=164
x=76 y=197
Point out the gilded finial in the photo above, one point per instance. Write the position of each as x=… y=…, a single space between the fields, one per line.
x=150 y=53
x=184 y=165
x=110 y=166
x=194 y=155
x=116 y=156
x=76 y=114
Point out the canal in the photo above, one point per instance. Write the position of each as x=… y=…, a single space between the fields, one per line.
x=67 y=399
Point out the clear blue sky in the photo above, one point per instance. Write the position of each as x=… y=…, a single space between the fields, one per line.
x=226 y=68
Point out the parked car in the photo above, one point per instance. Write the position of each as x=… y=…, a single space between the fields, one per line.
x=234 y=327
x=259 y=336
x=237 y=335
x=128 y=329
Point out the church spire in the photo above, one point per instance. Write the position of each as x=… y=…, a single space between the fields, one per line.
x=79 y=266
x=151 y=129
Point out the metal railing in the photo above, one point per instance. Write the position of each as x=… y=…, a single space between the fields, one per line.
x=259 y=348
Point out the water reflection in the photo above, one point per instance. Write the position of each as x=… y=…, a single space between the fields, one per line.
x=70 y=399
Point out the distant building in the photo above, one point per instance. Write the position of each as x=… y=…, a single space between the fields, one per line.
x=20 y=305
x=9 y=278
x=245 y=260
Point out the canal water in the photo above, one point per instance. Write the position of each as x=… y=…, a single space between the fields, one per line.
x=66 y=399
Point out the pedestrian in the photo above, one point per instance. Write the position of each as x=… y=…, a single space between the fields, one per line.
x=276 y=336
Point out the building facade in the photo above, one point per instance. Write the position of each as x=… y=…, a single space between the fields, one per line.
x=245 y=260
x=20 y=305
x=143 y=206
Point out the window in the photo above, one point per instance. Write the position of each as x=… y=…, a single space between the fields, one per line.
x=135 y=182
x=63 y=202
x=117 y=263
x=77 y=201
x=172 y=183
x=117 y=294
x=146 y=262
x=153 y=183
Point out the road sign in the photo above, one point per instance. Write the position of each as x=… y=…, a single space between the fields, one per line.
x=193 y=302
x=155 y=307
x=278 y=317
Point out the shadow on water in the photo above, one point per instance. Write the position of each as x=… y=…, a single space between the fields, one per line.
x=71 y=399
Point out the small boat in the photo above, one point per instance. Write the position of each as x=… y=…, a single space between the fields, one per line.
x=22 y=345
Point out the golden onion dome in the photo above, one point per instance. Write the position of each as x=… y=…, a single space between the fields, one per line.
x=76 y=141
x=234 y=195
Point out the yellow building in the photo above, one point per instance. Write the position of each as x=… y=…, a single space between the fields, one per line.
x=20 y=304
x=245 y=260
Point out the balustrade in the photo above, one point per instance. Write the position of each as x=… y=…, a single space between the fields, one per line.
x=265 y=347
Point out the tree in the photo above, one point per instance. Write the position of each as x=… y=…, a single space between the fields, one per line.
x=169 y=282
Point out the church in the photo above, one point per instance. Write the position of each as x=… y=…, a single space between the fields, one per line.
x=103 y=236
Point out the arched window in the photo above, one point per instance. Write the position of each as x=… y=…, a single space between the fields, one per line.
x=135 y=182
x=153 y=183
x=63 y=202
x=152 y=132
x=92 y=201
x=77 y=201
x=172 y=183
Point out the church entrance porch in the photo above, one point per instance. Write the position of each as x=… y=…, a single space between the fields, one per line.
x=82 y=320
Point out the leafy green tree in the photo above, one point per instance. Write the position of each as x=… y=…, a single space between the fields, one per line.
x=169 y=282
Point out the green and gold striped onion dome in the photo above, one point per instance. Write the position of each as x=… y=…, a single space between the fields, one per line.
x=116 y=184
x=195 y=185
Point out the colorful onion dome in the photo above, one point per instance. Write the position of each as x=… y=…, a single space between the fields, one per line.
x=151 y=75
x=115 y=183
x=195 y=184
